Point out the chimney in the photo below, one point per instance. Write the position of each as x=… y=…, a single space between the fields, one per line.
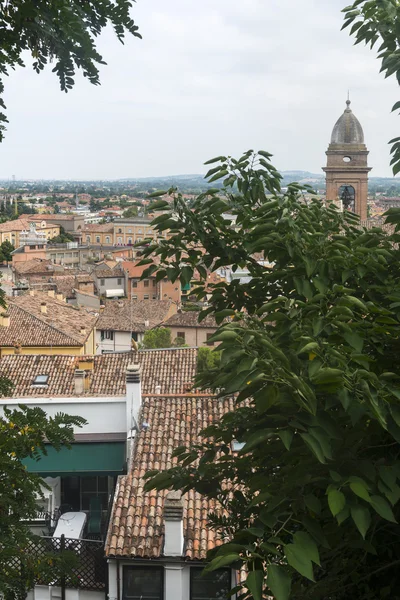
x=5 y=320
x=173 y=522
x=31 y=292
x=158 y=389
x=79 y=380
x=43 y=308
x=51 y=293
x=133 y=400
x=60 y=297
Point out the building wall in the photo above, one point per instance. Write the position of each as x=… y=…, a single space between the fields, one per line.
x=90 y=344
x=98 y=237
x=194 y=336
x=103 y=415
x=42 y=592
x=28 y=254
x=88 y=301
x=170 y=291
x=126 y=232
x=110 y=283
x=143 y=290
x=122 y=342
x=13 y=236
x=176 y=578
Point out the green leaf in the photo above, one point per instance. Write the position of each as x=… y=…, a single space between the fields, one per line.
x=336 y=501
x=255 y=583
x=382 y=507
x=216 y=159
x=286 y=436
x=314 y=446
x=297 y=559
x=256 y=438
x=157 y=194
x=307 y=544
x=222 y=561
x=313 y=503
x=360 y=489
x=279 y=581
x=362 y=518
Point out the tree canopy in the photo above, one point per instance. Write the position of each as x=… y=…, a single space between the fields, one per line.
x=23 y=434
x=310 y=504
x=61 y=32
x=159 y=337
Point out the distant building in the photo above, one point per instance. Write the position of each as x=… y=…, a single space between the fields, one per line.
x=122 y=321
x=185 y=326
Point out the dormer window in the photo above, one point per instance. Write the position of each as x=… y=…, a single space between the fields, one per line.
x=40 y=380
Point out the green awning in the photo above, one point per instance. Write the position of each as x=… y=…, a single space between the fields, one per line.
x=96 y=458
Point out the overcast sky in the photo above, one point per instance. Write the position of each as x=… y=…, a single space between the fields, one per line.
x=208 y=78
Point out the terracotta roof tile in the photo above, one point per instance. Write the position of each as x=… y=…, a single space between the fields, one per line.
x=60 y=316
x=136 y=525
x=190 y=319
x=172 y=369
x=36 y=265
x=125 y=315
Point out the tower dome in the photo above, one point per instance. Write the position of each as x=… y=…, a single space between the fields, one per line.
x=347 y=129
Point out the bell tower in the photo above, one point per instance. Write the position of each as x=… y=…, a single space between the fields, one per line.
x=347 y=165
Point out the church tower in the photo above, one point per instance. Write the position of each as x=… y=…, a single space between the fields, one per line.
x=347 y=165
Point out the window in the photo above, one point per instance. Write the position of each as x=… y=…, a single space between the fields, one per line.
x=208 y=337
x=129 y=230
x=139 y=240
x=134 y=283
x=154 y=297
x=145 y=583
x=40 y=380
x=139 y=231
x=98 y=239
x=102 y=282
x=181 y=335
x=119 y=230
x=146 y=283
x=134 y=297
x=107 y=239
x=88 y=239
x=119 y=281
x=209 y=586
x=129 y=241
x=154 y=283
x=106 y=334
x=146 y=297
x=119 y=240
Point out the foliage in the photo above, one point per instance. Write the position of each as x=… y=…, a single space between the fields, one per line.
x=310 y=349
x=6 y=248
x=132 y=211
x=60 y=32
x=378 y=21
x=23 y=433
x=160 y=337
x=62 y=238
x=207 y=359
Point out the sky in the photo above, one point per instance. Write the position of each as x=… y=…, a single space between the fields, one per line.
x=208 y=78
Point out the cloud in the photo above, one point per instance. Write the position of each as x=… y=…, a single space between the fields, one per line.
x=207 y=78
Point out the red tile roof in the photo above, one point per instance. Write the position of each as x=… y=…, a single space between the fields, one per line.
x=136 y=524
x=132 y=269
x=172 y=369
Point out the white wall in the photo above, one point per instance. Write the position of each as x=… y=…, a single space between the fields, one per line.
x=43 y=592
x=103 y=415
x=176 y=578
x=120 y=343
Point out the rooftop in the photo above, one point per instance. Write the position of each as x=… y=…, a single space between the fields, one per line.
x=172 y=369
x=136 y=523
x=59 y=317
x=190 y=319
x=35 y=265
x=131 y=315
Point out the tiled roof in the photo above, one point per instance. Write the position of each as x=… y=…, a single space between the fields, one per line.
x=136 y=523
x=16 y=225
x=132 y=268
x=190 y=319
x=27 y=330
x=35 y=265
x=172 y=369
x=60 y=316
x=125 y=315
x=104 y=273
x=48 y=217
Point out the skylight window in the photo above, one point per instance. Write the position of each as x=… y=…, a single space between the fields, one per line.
x=40 y=380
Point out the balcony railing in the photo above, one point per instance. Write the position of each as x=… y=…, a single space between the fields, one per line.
x=88 y=567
